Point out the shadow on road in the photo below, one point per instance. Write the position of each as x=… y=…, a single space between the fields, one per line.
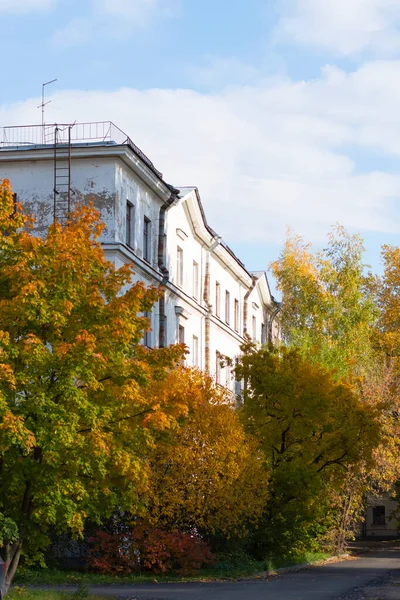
x=326 y=582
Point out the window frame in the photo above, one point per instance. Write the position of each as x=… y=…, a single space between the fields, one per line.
x=218 y=367
x=195 y=351
x=217 y=299
x=227 y=307
x=379 y=519
x=254 y=328
x=236 y=315
x=146 y=239
x=179 y=266
x=195 y=280
x=129 y=223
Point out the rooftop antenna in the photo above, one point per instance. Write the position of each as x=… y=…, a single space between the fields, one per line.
x=43 y=105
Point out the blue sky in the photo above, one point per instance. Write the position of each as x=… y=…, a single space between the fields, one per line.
x=283 y=112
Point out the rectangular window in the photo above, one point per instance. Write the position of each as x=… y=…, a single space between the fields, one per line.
x=181 y=334
x=236 y=316
x=228 y=376
x=195 y=280
x=227 y=307
x=378 y=515
x=147 y=334
x=147 y=239
x=254 y=329
x=195 y=351
x=129 y=225
x=179 y=266
x=217 y=299
x=217 y=367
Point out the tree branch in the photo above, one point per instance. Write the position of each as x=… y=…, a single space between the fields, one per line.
x=139 y=414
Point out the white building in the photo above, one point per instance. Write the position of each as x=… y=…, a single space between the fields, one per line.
x=210 y=301
x=381 y=519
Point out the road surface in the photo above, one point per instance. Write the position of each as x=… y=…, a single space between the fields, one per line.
x=328 y=582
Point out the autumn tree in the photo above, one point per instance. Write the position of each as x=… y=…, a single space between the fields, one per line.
x=328 y=310
x=210 y=476
x=340 y=316
x=382 y=383
x=386 y=289
x=312 y=430
x=379 y=390
x=75 y=418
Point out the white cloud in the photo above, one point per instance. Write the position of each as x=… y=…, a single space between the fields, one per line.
x=343 y=27
x=265 y=156
x=25 y=6
x=114 y=19
x=78 y=31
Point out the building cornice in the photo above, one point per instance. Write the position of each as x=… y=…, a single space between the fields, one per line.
x=122 y=152
x=205 y=235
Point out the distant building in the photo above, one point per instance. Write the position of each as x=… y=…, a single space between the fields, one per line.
x=210 y=301
x=381 y=518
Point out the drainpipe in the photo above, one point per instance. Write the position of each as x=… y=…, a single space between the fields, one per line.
x=162 y=266
x=246 y=334
x=271 y=321
x=206 y=297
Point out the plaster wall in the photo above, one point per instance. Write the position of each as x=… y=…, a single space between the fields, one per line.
x=184 y=248
x=381 y=530
x=145 y=204
x=91 y=180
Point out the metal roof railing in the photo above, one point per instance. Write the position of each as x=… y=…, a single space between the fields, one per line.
x=100 y=132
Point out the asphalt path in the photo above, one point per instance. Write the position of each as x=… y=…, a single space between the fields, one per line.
x=327 y=582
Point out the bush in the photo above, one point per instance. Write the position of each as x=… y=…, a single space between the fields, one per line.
x=148 y=549
x=112 y=554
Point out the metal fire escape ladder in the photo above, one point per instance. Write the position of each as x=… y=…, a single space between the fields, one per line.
x=62 y=174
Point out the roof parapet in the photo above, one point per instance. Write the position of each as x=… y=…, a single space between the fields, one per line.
x=102 y=133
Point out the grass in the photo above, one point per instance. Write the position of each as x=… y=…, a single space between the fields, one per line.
x=19 y=593
x=307 y=557
x=229 y=568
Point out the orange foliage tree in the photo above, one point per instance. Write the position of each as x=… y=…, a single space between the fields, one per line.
x=75 y=417
x=209 y=476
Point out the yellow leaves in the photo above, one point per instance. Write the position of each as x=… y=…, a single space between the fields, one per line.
x=86 y=339
x=208 y=474
x=387 y=291
x=7 y=375
x=327 y=312
x=13 y=431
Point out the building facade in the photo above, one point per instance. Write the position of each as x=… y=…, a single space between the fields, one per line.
x=381 y=518
x=210 y=301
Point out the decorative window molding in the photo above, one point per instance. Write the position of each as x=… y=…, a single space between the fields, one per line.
x=181 y=234
x=182 y=312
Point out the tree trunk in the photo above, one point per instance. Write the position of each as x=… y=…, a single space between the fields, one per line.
x=12 y=556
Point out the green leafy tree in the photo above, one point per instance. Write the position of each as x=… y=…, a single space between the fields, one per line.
x=386 y=289
x=75 y=418
x=312 y=430
x=328 y=311
x=345 y=319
